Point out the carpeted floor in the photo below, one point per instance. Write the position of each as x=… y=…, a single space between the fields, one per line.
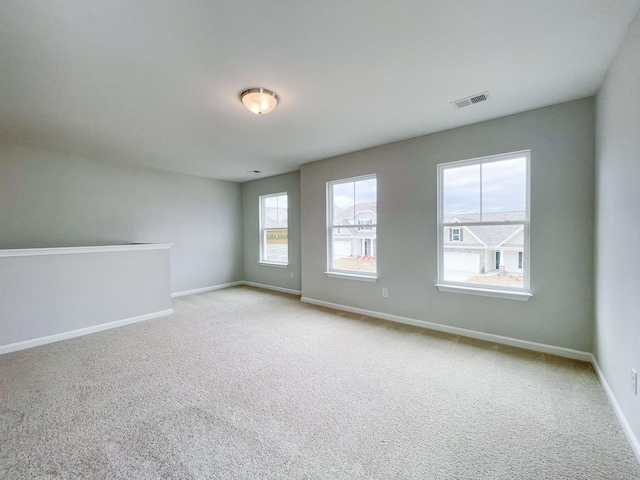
x=249 y=384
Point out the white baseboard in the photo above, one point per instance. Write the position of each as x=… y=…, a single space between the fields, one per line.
x=633 y=440
x=271 y=287
x=12 y=347
x=235 y=284
x=206 y=289
x=513 y=342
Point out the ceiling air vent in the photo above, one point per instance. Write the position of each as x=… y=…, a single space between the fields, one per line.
x=477 y=98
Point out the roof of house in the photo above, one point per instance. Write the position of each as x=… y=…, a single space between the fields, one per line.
x=348 y=213
x=491 y=236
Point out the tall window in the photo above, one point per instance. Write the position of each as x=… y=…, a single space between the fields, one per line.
x=352 y=223
x=487 y=199
x=274 y=233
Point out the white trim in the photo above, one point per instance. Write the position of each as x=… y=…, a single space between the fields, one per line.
x=206 y=289
x=236 y=284
x=485 y=292
x=633 y=440
x=351 y=276
x=12 y=347
x=490 y=337
x=270 y=264
x=271 y=287
x=27 y=252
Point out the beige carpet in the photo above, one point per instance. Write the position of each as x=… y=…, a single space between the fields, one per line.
x=248 y=384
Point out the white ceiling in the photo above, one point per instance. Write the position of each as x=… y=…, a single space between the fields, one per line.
x=156 y=82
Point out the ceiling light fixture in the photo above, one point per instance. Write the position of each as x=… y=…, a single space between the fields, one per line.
x=259 y=100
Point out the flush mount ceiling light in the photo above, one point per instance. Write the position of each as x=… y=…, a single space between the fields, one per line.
x=259 y=100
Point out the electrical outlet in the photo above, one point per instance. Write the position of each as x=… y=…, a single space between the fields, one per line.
x=291 y=274
x=385 y=292
x=634 y=381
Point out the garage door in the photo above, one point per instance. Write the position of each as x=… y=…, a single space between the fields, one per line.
x=462 y=262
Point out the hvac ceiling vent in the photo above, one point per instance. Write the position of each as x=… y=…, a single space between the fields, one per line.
x=477 y=98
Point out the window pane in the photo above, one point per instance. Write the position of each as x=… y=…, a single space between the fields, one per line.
x=271 y=202
x=487 y=255
x=283 y=211
x=354 y=249
x=343 y=203
x=274 y=222
x=461 y=193
x=504 y=189
x=276 y=245
x=366 y=191
x=270 y=213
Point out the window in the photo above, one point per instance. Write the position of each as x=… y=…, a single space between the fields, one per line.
x=455 y=234
x=352 y=248
x=487 y=199
x=364 y=221
x=274 y=233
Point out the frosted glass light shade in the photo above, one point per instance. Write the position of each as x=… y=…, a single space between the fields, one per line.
x=259 y=100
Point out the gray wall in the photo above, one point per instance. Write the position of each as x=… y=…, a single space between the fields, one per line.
x=268 y=275
x=45 y=295
x=617 y=318
x=560 y=313
x=50 y=200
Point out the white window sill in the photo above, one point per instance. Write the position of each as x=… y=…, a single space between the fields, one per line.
x=277 y=265
x=351 y=276
x=485 y=292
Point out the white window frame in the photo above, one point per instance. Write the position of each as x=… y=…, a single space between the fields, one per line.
x=453 y=234
x=335 y=272
x=498 y=291
x=263 y=228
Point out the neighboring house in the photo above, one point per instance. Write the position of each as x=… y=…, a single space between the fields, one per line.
x=357 y=238
x=484 y=248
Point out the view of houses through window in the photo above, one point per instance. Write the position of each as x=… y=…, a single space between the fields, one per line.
x=352 y=225
x=274 y=233
x=484 y=220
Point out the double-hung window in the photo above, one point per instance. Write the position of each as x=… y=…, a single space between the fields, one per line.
x=351 y=227
x=487 y=199
x=274 y=233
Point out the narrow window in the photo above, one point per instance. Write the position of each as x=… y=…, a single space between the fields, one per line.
x=487 y=199
x=274 y=233
x=352 y=223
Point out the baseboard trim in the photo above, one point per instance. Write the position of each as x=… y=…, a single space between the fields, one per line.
x=271 y=287
x=633 y=440
x=490 y=337
x=13 y=347
x=206 y=289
